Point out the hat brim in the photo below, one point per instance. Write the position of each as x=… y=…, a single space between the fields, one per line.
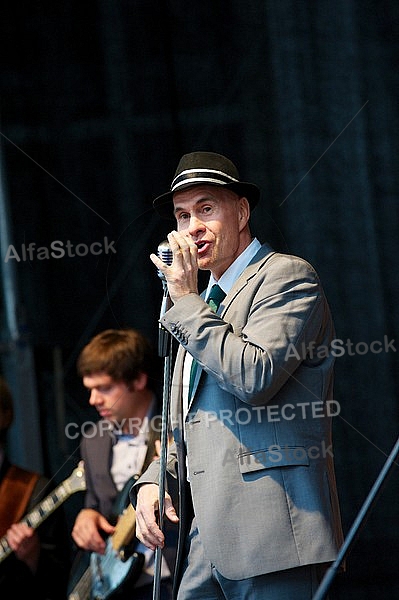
x=163 y=204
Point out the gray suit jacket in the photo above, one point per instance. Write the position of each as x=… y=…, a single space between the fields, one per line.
x=258 y=432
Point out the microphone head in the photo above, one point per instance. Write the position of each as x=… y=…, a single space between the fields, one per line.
x=165 y=254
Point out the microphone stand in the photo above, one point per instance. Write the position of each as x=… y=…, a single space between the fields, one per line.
x=165 y=351
x=359 y=522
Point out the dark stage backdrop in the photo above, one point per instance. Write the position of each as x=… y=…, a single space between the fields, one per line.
x=98 y=101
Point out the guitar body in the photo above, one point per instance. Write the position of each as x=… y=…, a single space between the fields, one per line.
x=109 y=575
x=112 y=573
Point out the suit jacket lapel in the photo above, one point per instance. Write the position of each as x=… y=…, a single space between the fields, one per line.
x=264 y=254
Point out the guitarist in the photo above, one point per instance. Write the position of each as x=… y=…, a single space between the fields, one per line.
x=40 y=557
x=117 y=368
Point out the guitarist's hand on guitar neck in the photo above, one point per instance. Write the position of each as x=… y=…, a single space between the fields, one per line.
x=25 y=543
x=87 y=530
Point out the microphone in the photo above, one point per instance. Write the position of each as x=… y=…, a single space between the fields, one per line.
x=166 y=255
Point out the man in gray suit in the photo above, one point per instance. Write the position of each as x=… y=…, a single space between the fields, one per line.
x=257 y=506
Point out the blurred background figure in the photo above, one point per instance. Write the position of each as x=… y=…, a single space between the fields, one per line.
x=40 y=559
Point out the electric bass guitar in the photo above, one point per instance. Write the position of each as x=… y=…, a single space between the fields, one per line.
x=109 y=574
x=74 y=483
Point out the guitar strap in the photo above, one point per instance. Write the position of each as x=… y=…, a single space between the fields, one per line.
x=15 y=492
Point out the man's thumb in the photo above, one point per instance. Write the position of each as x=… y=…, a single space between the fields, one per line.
x=170 y=511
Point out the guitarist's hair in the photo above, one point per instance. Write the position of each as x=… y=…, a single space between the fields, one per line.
x=120 y=353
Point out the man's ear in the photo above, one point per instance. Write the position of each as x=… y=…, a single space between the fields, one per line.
x=140 y=383
x=244 y=212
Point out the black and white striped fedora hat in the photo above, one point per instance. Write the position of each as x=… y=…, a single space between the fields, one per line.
x=206 y=168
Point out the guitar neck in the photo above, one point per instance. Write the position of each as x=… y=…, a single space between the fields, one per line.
x=43 y=510
x=82 y=590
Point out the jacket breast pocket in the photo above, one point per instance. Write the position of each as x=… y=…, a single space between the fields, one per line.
x=272 y=457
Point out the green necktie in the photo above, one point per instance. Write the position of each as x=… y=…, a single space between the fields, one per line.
x=214 y=299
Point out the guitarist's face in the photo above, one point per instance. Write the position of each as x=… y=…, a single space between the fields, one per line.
x=113 y=400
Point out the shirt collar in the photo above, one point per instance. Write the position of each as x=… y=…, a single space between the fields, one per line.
x=117 y=433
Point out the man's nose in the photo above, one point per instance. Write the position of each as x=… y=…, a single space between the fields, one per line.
x=94 y=397
x=195 y=225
